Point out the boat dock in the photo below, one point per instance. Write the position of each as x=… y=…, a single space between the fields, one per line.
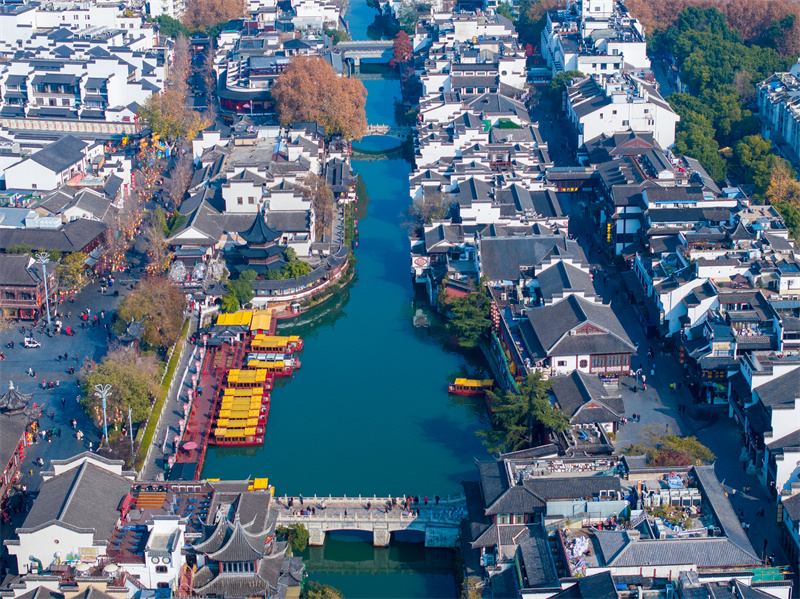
x=229 y=396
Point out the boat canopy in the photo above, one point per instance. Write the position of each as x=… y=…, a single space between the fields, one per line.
x=477 y=384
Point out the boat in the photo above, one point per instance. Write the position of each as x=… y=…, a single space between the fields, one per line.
x=471 y=386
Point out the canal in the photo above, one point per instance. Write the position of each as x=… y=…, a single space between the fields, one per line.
x=369 y=411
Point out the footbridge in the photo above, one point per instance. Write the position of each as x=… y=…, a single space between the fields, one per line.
x=399 y=132
x=439 y=522
x=361 y=49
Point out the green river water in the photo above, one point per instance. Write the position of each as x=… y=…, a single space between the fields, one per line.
x=369 y=411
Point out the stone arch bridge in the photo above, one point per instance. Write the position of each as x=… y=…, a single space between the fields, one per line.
x=439 y=523
x=399 y=132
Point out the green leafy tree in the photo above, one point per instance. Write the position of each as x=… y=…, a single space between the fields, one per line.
x=791 y=217
x=296 y=269
x=468 y=316
x=557 y=85
x=296 y=535
x=134 y=380
x=316 y=590
x=695 y=137
x=433 y=205
x=289 y=255
x=249 y=275
x=71 y=271
x=229 y=303
x=170 y=27
x=19 y=248
x=533 y=18
x=337 y=35
x=520 y=420
x=754 y=155
x=242 y=288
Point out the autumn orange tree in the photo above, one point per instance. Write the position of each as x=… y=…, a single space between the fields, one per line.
x=402 y=48
x=205 y=13
x=161 y=304
x=168 y=115
x=769 y=22
x=310 y=90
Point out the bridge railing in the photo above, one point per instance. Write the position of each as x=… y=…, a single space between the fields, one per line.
x=315 y=501
x=427 y=516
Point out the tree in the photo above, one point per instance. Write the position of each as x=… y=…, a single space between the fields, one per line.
x=19 y=248
x=316 y=188
x=296 y=535
x=402 y=49
x=296 y=269
x=181 y=65
x=205 y=13
x=662 y=449
x=468 y=316
x=755 y=156
x=170 y=27
x=134 y=378
x=433 y=205
x=161 y=304
x=179 y=179
x=158 y=254
x=289 y=255
x=783 y=186
x=243 y=290
x=521 y=419
x=210 y=87
x=168 y=116
x=337 y=35
x=310 y=90
x=407 y=15
x=71 y=271
x=316 y=590
x=230 y=303
x=791 y=218
x=558 y=84
x=533 y=18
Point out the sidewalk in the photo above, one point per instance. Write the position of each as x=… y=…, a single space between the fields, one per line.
x=168 y=425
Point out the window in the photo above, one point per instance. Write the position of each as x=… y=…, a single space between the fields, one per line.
x=616 y=65
x=162 y=585
x=625 y=123
x=53 y=102
x=65 y=102
x=562 y=363
x=161 y=569
x=40 y=101
x=87 y=17
x=240 y=201
x=583 y=364
x=251 y=200
x=613 y=112
x=647 y=111
x=504 y=73
x=601 y=115
x=75 y=17
x=33 y=185
x=9 y=295
x=603 y=66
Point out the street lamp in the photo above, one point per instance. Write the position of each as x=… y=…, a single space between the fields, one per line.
x=43 y=258
x=103 y=391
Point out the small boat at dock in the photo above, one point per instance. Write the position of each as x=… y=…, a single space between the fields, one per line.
x=471 y=387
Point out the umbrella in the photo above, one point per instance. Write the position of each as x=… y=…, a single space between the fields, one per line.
x=190 y=445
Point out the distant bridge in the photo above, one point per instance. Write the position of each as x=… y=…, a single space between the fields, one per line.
x=440 y=523
x=358 y=50
x=399 y=132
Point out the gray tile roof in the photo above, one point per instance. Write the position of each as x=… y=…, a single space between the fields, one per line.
x=791 y=505
x=711 y=552
x=289 y=221
x=516 y=500
x=87 y=498
x=504 y=258
x=61 y=154
x=494 y=480
x=596 y=586
x=559 y=280
x=781 y=392
x=552 y=330
x=72 y=237
x=584 y=487
x=576 y=392
x=536 y=559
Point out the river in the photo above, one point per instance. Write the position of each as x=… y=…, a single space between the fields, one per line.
x=369 y=411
